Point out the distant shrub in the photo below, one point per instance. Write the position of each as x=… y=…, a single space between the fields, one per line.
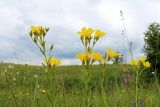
x=152 y=47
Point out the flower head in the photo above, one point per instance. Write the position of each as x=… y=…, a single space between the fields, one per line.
x=81 y=56
x=96 y=56
x=99 y=33
x=142 y=59
x=42 y=91
x=86 y=32
x=84 y=57
x=112 y=54
x=35 y=30
x=87 y=56
x=38 y=31
x=146 y=64
x=53 y=62
x=134 y=62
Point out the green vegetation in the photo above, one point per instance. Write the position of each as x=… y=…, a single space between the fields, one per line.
x=69 y=87
x=152 y=47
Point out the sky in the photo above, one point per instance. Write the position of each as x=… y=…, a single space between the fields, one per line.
x=65 y=18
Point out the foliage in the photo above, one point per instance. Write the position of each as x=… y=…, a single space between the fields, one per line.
x=69 y=87
x=152 y=46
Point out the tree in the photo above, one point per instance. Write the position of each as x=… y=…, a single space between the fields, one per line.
x=152 y=46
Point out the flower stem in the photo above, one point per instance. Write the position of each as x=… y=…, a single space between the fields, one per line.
x=14 y=97
x=35 y=92
x=137 y=75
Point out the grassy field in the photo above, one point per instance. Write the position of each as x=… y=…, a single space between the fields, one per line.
x=31 y=89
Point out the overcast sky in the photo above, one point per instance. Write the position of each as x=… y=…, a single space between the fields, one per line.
x=65 y=18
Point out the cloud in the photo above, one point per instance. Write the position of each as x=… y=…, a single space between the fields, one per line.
x=65 y=18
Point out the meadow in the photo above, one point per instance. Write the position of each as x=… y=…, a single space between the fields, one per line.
x=31 y=88
x=102 y=80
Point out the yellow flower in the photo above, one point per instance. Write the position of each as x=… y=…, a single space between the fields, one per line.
x=96 y=56
x=38 y=30
x=83 y=57
x=86 y=32
x=42 y=91
x=53 y=62
x=35 y=30
x=134 y=62
x=99 y=33
x=87 y=56
x=146 y=64
x=112 y=54
x=42 y=30
x=142 y=59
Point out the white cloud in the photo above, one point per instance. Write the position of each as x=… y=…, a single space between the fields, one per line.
x=65 y=18
x=70 y=61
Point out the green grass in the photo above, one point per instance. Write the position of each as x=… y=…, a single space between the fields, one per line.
x=68 y=90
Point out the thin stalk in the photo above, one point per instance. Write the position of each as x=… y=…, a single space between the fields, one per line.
x=126 y=35
x=130 y=50
x=50 y=76
x=35 y=91
x=14 y=97
x=137 y=88
x=87 y=88
x=102 y=88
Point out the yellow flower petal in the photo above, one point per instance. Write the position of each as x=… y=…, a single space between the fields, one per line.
x=38 y=30
x=53 y=62
x=42 y=91
x=146 y=64
x=112 y=54
x=99 y=33
x=134 y=62
x=86 y=32
x=96 y=56
x=142 y=59
x=84 y=57
x=81 y=56
x=87 y=56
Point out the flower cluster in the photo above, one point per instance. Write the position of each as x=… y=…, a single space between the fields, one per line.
x=38 y=33
x=89 y=37
x=142 y=61
x=38 y=30
x=87 y=58
x=140 y=65
x=111 y=55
